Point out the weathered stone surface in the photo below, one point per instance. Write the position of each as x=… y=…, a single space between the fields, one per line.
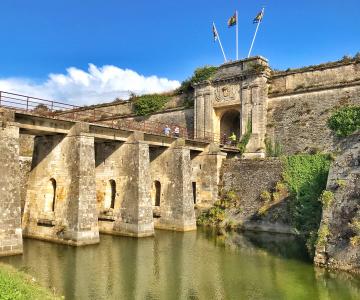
x=25 y=168
x=61 y=197
x=299 y=121
x=205 y=176
x=180 y=117
x=249 y=179
x=10 y=212
x=338 y=245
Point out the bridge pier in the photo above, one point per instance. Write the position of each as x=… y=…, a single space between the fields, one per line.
x=61 y=201
x=123 y=187
x=10 y=212
x=206 y=175
x=171 y=187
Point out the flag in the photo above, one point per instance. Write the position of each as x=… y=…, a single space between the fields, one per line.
x=215 y=33
x=232 y=21
x=259 y=17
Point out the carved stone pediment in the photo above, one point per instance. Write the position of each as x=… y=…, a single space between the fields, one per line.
x=226 y=94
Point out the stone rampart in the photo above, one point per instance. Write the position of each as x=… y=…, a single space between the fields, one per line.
x=301 y=101
x=331 y=75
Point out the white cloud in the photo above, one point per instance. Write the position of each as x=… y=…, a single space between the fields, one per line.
x=96 y=85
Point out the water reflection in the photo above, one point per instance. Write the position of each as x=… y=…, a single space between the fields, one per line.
x=194 y=265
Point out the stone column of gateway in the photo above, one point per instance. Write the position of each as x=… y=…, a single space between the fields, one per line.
x=60 y=200
x=10 y=220
x=240 y=86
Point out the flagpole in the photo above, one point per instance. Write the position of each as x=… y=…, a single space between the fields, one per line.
x=218 y=37
x=256 y=31
x=237 y=36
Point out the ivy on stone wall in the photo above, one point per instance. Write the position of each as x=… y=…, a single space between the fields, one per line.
x=147 y=104
x=306 y=177
x=245 y=138
x=345 y=121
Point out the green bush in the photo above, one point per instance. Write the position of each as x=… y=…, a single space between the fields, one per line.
x=345 y=121
x=147 y=104
x=306 y=178
x=200 y=74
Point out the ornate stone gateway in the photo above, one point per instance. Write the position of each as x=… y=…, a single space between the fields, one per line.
x=234 y=101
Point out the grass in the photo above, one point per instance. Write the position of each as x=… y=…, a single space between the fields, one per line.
x=15 y=285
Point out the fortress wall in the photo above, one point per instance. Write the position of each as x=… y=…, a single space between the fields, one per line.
x=299 y=122
x=120 y=108
x=321 y=76
x=181 y=117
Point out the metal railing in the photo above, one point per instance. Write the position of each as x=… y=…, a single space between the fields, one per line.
x=58 y=110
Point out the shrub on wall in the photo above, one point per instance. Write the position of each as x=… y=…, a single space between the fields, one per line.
x=345 y=121
x=147 y=104
x=306 y=178
x=245 y=138
x=200 y=74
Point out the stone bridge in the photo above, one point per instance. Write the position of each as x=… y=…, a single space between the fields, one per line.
x=91 y=178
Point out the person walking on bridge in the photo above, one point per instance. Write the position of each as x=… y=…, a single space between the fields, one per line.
x=176 y=131
x=167 y=130
x=233 y=139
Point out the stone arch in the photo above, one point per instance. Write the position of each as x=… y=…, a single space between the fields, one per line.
x=156 y=193
x=230 y=122
x=50 y=196
x=110 y=194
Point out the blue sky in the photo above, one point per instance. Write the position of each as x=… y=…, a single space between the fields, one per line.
x=167 y=38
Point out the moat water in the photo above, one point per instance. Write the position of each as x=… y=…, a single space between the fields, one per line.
x=193 y=265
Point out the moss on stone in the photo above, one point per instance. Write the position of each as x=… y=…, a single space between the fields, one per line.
x=327 y=198
x=323 y=234
x=265 y=196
